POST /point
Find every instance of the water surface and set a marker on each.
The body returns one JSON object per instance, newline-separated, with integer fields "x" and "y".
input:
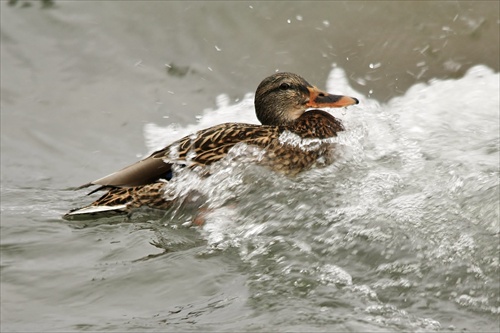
{"x": 400, "y": 234}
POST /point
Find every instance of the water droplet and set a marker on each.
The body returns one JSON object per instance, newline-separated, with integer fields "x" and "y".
{"x": 361, "y": 81}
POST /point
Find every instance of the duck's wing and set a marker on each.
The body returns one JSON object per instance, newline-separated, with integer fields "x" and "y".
{"x": 202, "y": 148}
{"x": 143, "y": 172}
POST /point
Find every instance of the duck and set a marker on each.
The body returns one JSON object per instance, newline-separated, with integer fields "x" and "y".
{"x": 286, "y": 105}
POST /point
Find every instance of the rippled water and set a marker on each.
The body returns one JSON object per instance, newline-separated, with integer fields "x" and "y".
{"x": 401, "y": 233}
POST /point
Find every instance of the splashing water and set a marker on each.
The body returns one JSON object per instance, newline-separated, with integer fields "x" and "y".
{"x": 401, "y": 231}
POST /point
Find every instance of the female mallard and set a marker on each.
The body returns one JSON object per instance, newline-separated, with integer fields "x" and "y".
{"x": 281, "y": 101}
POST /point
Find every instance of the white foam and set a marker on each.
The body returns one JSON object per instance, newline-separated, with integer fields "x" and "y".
{"x": 416, "y": 187}
{"x": 449, "y": 120}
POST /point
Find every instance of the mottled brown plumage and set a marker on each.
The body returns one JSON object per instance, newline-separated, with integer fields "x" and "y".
{"x": 291, "y": 139}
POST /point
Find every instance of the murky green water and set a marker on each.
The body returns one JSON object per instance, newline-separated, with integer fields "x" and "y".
{"x": 400, "y": 234}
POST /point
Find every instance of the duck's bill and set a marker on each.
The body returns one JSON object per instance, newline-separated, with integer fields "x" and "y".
{"x": 321, "y": 99}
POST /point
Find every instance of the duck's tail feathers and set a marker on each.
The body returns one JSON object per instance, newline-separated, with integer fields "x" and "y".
{"x": 96, "y": 210}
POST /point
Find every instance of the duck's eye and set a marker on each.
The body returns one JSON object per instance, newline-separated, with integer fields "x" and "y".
{"x": 284, "y": 86}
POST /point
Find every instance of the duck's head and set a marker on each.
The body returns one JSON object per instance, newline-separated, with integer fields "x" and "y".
{"x": 282, "y": 98}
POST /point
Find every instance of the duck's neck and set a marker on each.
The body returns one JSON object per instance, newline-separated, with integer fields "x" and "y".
{"x": 316, "y": 124}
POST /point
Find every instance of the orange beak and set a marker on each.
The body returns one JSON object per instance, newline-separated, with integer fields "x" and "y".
{"x": 321, "y": 99}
